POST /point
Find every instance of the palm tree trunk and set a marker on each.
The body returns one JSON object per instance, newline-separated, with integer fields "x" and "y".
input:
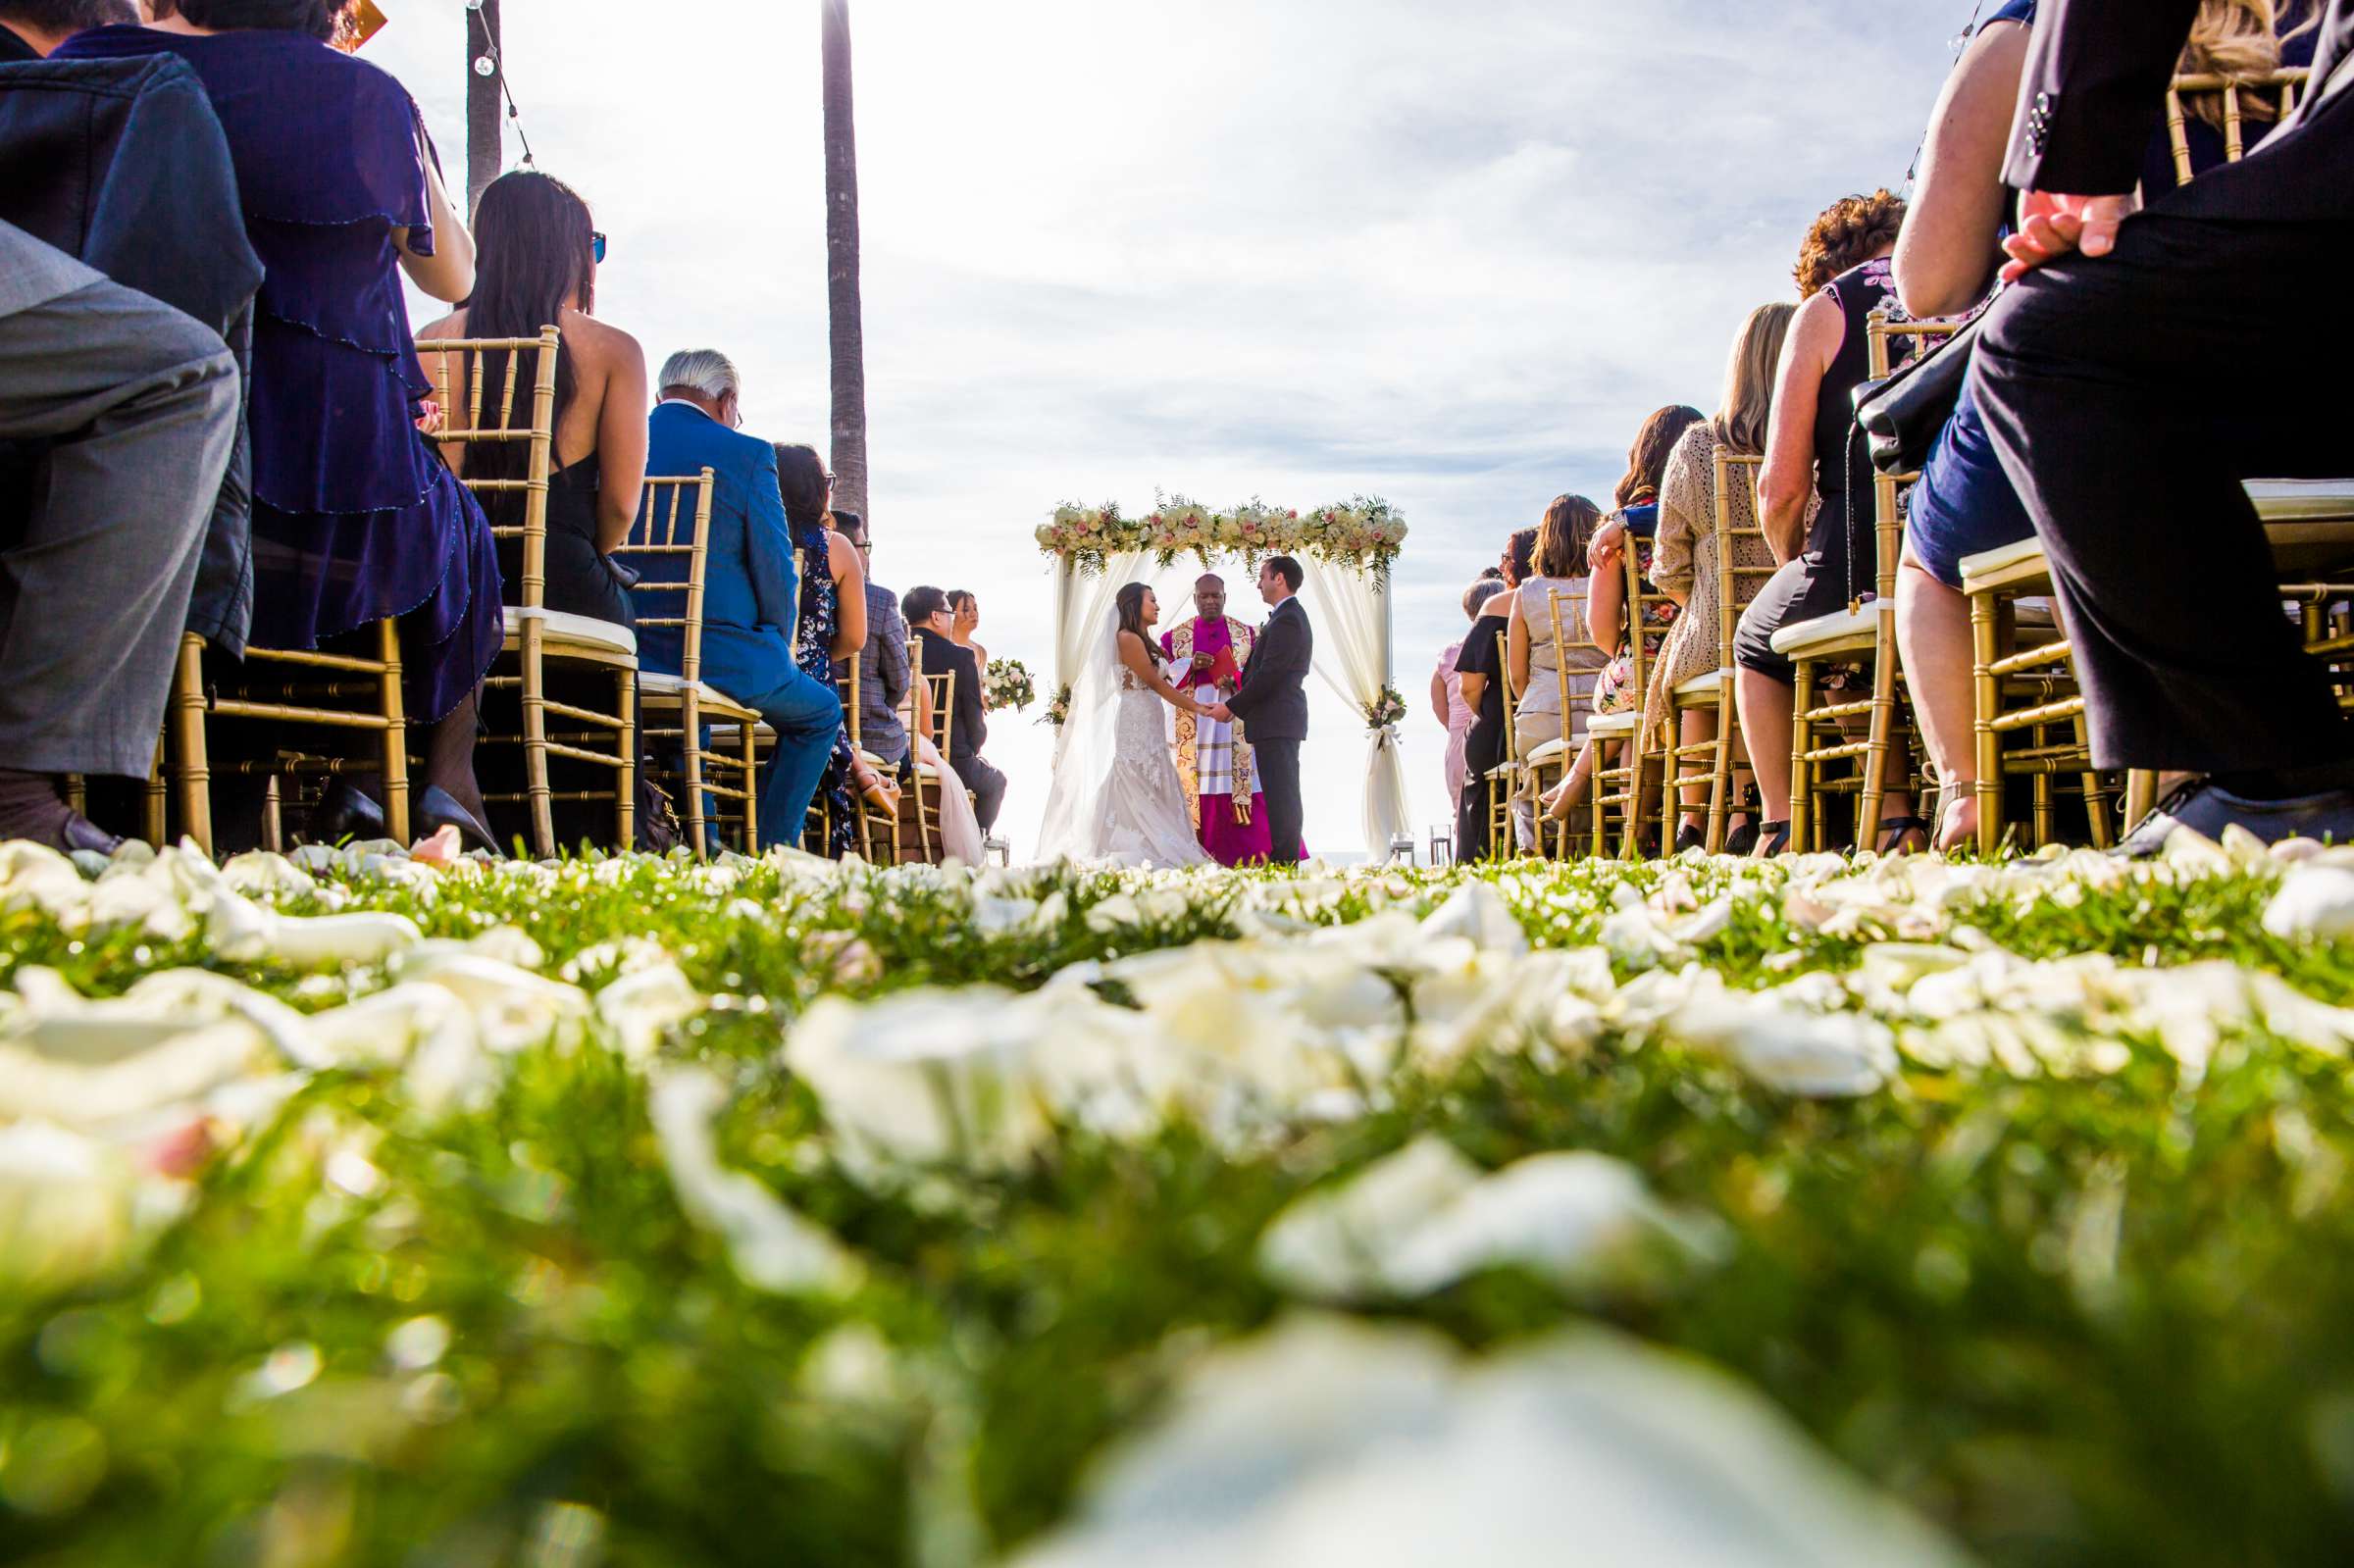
{"x": 485, "y": 118}
{"x": 847, "y": 332}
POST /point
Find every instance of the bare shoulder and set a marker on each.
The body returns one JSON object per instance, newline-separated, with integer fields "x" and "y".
{"x": 452, "y": 325}
{"x": 595, "y": 344}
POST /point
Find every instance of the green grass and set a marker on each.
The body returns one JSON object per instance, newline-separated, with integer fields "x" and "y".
{"x": 2076, "y": 1322}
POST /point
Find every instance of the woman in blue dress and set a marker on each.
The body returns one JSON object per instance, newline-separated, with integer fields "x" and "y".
{"x": 355, "y": 517}
{"x": 1945, "y": 258}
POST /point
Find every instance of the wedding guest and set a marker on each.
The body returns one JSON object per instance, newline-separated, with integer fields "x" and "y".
{"x": 355, "y": 517}
{"x": 135, "y": 408}
{"x": 833, "y": 625}
{"x": 537, "y": 253}
{"x": 2165, "y": 576}
{"x": 1812, "y": 466}
{"x": 751, "y": 592}
{"x": 883, "y": 669}
{"x": 964, "y": 619}
{"x": 1447, "y": 688}
{"x": 1849, "y": 231}
{"x": 1684, "y": 561}
{"x": 934, "y": 623}
{"x": 1963, "y": 503}
{"x": 1637, "y": 504}
{"x": 33, "y": 29}
{"x": 1555, "y": 685}
{"x": 1480, "y": 669}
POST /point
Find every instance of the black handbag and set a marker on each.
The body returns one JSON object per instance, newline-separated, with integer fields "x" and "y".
{"x": 1902, "y": 413}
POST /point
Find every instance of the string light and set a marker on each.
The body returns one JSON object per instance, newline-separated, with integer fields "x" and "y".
{"x": 492, "y": 63}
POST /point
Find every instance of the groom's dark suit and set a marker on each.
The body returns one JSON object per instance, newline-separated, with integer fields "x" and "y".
{"x": 1273, "y": 703}
{"x": 2129, "y": 394}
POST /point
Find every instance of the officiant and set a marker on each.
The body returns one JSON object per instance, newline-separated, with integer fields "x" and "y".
{"x": 1206, "y": 657}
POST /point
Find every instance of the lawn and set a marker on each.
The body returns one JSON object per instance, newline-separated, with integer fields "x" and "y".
{"x": 629, "y": 1211}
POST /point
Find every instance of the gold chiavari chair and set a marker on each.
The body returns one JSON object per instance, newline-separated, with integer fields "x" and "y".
{"x": 686, "y": 703}
{"x": 1711, "y": 693}
{"x": 1619, "y": 786}
{"x": 1504, "y": 780}
{"x": 2228, "y": 100}
{"x": 324, "y": 698}
{"x": 1578, "y": 700}
{"x": 940, "y": 690}
{"x": 1862, "y": 634}
{"x": 536, "y": 636}
{"x": 2310, "y": 526}
{"x": 878, "y": 833}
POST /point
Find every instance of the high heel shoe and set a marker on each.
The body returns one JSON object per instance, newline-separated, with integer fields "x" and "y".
{"x": 1743, "y": 839}
{"x": 437, "y": 808}
{"x": 345, "y": 815}
{"x": 1690, "y": 835}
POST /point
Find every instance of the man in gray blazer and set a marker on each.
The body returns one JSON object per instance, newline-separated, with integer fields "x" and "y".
{"x": 130, "y": 408}
{"x": 1273, "y": 701}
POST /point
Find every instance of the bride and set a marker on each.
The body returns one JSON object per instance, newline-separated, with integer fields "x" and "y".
{"x": 1117, "y": 796}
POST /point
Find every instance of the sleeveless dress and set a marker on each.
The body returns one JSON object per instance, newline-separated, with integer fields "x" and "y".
{"x": 1614, "y": 686}
{"x": 355, "y": 516}
{"x": 578, "y": 583}
{"x": 1838, "y": 563}
{"x": 1146, "y": 821}
{"x": 814, "y": 651}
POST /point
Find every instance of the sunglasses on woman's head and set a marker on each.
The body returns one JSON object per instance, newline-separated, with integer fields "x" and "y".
{"x": 597, "y": 247}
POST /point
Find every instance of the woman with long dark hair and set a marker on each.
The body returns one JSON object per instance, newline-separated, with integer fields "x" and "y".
{"x": 832, "y": 625}
{"x": 1117, "y": 796}
{"x": 355, "y": 519}
{"x": 539, "y": 251}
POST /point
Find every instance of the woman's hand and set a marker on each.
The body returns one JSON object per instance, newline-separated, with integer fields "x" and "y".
{"x": 1604, "y": 547}
{"x": 2052, "y": 226}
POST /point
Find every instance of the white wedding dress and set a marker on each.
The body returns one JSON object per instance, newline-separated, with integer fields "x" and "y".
{"x": 1117, "y": 794}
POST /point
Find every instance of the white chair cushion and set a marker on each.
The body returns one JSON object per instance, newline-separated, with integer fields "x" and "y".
{"x": 1611, "y": 726}
{"x": 1844, "y": 624}
{"x": 1986, "y": 562}
{"x": 582, "y": 628}
{"x": 2302, "y": 501}
{"x": 656, "y": 685}
{"x": 1711, "y": 685}
{"x": 1550, "y": 751}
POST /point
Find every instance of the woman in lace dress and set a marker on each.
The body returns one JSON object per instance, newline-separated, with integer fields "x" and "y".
{"x": 1116, "y": 794}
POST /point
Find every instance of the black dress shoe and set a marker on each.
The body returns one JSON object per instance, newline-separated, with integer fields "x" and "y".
{"x": 343, "y": 815}
{"x": 2207, "y": 808}
{"x": 437, "y": 809}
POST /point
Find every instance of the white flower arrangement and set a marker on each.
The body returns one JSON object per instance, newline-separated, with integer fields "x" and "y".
{"x": 1362, "y": 535}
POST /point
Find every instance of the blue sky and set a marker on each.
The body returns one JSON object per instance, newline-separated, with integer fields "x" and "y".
{"x": 1450, "y": 253}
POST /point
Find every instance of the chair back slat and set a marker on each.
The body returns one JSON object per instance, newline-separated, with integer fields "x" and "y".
{"x": 655, "y": 532}
{"x": 468, "y": 359}
{"x": 2231, "y": 95}
{"x": 1735, "y": 468}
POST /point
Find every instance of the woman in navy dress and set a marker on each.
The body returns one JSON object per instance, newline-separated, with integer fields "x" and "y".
{"x": 355, "y": 517}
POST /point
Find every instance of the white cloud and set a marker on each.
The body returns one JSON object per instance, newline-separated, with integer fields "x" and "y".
{"x": 1450, "y": 253}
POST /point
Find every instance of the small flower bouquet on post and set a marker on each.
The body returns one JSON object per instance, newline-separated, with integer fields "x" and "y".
{"x": 1385, "y": 710}
{"x": 1008, "y": 685}
{"x": 1058, "y": 711}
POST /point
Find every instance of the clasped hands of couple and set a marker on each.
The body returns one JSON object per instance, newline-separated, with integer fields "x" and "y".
{"x": 1218, "y": 711}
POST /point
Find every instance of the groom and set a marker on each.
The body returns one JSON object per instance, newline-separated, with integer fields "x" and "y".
{"x": 1273, "y": 701}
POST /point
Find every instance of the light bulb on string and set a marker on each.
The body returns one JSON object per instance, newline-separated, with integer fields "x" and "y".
{"x": 484, "y": 65}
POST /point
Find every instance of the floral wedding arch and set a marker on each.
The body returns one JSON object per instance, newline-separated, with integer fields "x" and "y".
{"x": 1345, "y": 552}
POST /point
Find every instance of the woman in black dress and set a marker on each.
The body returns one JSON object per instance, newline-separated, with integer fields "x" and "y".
{"x": 539, "y": 250}
{"x": 1816, "y": 493}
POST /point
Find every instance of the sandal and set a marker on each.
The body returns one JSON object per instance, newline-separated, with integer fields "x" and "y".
{"x": 1902, "y": 829}
{"x": 1690, "y": 835}
{"x": 1772, "y": 839}
{"x": 1743, "y": 839}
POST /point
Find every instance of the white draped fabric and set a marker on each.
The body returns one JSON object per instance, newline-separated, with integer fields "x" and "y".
{"x": 1350, "y": 613}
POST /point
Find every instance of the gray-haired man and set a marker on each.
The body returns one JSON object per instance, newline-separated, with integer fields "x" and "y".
{"x": 130, "y": 408}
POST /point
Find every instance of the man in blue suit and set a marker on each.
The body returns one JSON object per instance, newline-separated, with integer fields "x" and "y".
{"x": 751, "y": 593}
